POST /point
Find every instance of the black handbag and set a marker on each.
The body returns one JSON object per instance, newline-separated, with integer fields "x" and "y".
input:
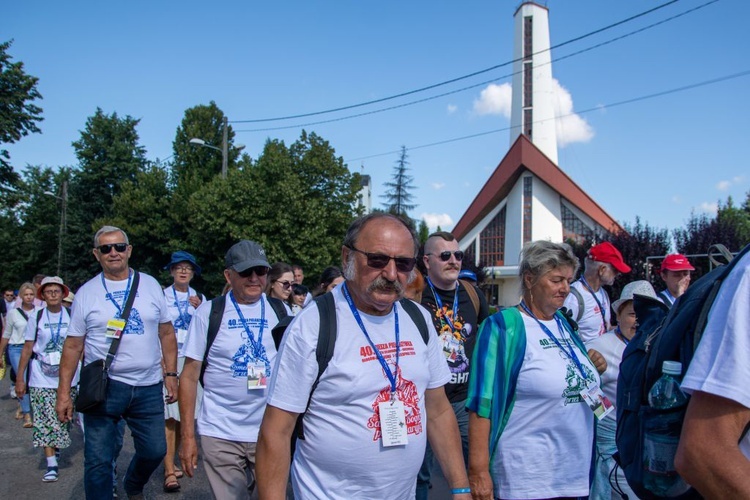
{"x": 94, "y": 379}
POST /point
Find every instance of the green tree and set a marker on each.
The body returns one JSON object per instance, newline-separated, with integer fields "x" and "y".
{"x": 18, "y": 114}
{"x": 423, "y": 231}
{"x": 109, "y": 154}
{"x": 295, "y": 201}
{"x": 399, "y": 195}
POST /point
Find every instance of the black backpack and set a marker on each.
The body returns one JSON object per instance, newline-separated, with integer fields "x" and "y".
{"x": 663, "y": 334}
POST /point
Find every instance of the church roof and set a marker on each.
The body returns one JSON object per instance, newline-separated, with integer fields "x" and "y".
{"x": 522, "y": 156}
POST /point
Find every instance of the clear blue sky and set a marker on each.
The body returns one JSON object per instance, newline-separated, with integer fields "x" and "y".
{"x": 658, "y": 159}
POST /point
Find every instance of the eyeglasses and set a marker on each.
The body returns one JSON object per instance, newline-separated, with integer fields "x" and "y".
{"x": 379, "y": 261}
{"x": 52, "y": 292}
{"x": 446, "y": 256}
{"x": 258, "y": 270}
{"x": 183, "y": 269}
{"x": 285, "y": 284}
{"x": 119, "y": 248}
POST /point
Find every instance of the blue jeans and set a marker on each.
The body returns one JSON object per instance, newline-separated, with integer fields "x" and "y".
{"x": 425, "y": 473}
{"x": 14, "y": 353}
{"x": 142, "y": 408}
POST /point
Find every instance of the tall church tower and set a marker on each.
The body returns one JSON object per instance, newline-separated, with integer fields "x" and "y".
{"x": 532, "y": 111}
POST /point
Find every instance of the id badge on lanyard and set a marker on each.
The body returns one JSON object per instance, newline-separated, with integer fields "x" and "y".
{"x": 597, "y": 401}
{"x": 393, "y": 422}
{"x": 115, "y": 328}
{"x": 256, "y": 375}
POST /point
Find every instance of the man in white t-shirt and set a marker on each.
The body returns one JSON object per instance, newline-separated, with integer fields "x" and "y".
{"x": 588, "y": 302}
{"x": 239, "y": 364}
{"x": 134, "y": 390}
{"x": 714, "y": 451}
{"x": 675, "y": 272}
{"x": 381, "y": 396}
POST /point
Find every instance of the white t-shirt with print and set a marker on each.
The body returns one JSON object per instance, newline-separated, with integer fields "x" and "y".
{"x": 611, "y": 348}
{"x": 720, "y": 365}
{"x": 545, "y": 449}
{"x": 138, "y": 358}
{"x": 180, "y": 311}
{"x": 230, "y": 410}
{"x": 342, "y": 456}
{"x": 590, "y": 326}
{"x": 50, "y": 333}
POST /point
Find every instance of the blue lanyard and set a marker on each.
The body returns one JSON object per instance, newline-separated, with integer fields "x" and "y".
{"x": 570, "y": 352}
{"x": 184, "y": 316}
{"x": 124, "y": 299}
{"x": 621, "y": 336}
{"x": 258, "y": 350}
{"x": 601, "y": 307}
{"x": 391, "y": 375}
{"x": 55, "y": 336}
{"x": 439, "y": 304}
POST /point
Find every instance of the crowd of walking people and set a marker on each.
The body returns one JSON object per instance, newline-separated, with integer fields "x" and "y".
{"x": 349, "y": 388}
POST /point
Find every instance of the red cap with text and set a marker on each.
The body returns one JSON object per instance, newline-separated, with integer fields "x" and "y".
{"x": 606, "y": 252}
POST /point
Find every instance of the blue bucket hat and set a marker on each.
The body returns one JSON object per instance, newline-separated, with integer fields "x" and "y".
{"x": 183, "y": 256}
{"x": 466, "y": 274}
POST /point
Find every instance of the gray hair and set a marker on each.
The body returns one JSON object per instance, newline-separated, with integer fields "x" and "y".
{"x": 352, "y": 234}
{"x": 540, "y": 257}
{"x": 592, "y": 264}
{"x": 107, "y": 230}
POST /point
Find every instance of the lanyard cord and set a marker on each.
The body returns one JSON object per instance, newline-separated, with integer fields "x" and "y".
{"x": 184, "y": 316}
{"x": 258, "y": 350}
{"x": 596, "y": 299}
{"x": 444, "y": 317}
{"x": 392, "y": 375}
{"x": 112, "y": 299}
{"x": 55, "y": 336}
{"x": 571, "y": 353}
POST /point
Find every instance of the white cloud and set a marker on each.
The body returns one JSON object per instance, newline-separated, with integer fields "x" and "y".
{"x": 438, "y": 185}
{"x": 723, "y": 185}
{"x": 570, "y": 126}
{"x": 494, "y": 100}
{"x": 435, "y": 220}
{"x": 709, "y": 208}
{"x": 452, "y": 108}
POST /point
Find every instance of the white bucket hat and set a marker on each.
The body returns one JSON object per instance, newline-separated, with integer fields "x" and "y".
{"x": 640, "y": 287}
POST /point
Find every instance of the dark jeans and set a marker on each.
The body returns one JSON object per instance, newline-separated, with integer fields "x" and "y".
{"x": 424, "y": 475}
{"x": 142, "y": 408}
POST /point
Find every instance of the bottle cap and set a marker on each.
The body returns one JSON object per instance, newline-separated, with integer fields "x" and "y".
{"x": 672, "y": 368}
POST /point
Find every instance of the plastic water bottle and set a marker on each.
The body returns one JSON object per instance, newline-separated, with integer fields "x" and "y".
{"x": 662, "y": 427}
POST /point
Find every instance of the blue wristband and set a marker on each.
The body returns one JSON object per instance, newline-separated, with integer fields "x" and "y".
{"x": 459, "y": 491}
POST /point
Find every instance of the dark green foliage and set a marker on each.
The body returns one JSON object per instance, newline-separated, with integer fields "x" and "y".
{"x": 399, "y": 197}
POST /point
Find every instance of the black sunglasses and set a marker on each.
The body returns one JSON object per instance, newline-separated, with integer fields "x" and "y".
{"x": 258, "y": 270}
{"x": 379, "y": 261}
{"x": 446, "y": 256}
{"x": 119, "y": 248}
{"x": 285, "y": 284}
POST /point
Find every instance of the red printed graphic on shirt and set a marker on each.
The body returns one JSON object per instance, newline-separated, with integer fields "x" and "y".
{"x": 387, "y": 350}
{"x": 406, "y": 392}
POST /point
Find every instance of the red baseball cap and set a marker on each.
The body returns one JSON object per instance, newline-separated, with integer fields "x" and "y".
{"x": 676, "y": 262}
{"x": 606, "y": 252}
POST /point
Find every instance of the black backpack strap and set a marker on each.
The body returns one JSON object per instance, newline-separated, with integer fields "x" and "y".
{"x": 22, "y": 313}
{"x": 284, "y": 319}
{"x": 278, "y": 307}
{"x": 214, "y": 322}
{"x": 415, "y": 313}
{"x": 327, "y": 334}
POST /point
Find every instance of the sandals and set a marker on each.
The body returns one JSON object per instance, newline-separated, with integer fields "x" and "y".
{"x": 171, "y": 484}
{"x": 19, "y": 414}
{"x": 27, "y": 423}
{"x": 178, "y": 473}
{"x": 51, "y": 475}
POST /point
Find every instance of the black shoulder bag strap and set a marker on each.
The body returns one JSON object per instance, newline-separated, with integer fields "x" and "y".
{"x": 125, "y": 314}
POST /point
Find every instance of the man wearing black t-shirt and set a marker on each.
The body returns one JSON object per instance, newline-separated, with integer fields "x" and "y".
{"x": 457, "y": 309}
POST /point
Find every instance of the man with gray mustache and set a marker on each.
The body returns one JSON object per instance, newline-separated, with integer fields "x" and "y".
{"x": 381, "y": 396}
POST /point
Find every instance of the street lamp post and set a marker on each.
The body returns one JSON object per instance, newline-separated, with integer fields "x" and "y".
{"x": 63, "y": 223}
{"x": 224, "y": 149}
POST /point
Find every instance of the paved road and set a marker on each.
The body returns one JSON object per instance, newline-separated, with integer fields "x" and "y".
{"x": 23, "y": 466}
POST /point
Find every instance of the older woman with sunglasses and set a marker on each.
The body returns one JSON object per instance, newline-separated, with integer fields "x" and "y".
{"x": 182, "y": 300}
{"x": 280, "y": 281}
{"x": 45, "y": 334}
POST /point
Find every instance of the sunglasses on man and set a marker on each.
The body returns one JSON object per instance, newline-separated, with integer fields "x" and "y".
{"x": 258, "y": 270}
{"x": 379, "y": 261}
{"x": 446, "y": 256}
{"x": 119, "y": 248}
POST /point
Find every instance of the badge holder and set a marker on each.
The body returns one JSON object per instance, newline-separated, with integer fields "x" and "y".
{"x": 393, "y": 422}
{"x": 597, "y": 401}
{"x": 256, "y": 375}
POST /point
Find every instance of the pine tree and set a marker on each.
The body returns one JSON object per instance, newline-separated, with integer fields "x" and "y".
{"x": 398, "y": 196}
